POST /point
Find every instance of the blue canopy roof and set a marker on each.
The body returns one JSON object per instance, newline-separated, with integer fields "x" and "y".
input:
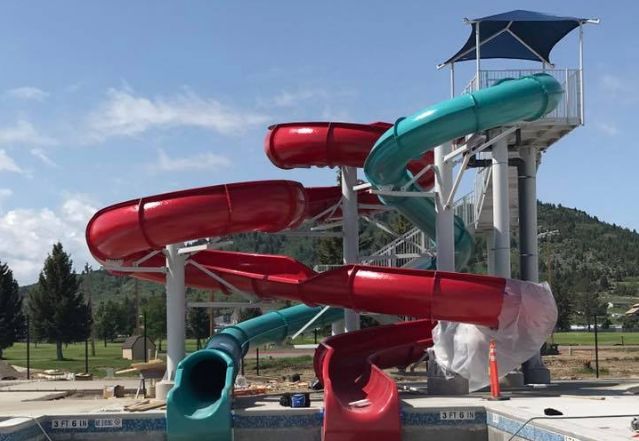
{"x": 522, "y": 35}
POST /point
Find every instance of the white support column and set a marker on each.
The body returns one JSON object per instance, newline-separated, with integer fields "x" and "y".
{"x": 501, "y": 209}
{"x": 477, "y": 57}
{"x": 581, "y": 73}
{"x": 175, "y": 309}
{"x": 529, "y": 254}
{"x": 440, "y": 382}
{"x": 350, "y": 239}
{"x": 490, "y": 252}
{"x": 445, "y": 217}
{"x": 533, "y": 370}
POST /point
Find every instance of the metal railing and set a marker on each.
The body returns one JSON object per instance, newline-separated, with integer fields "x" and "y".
{"x": 569, "y": 108}
{"x": 411, "y": 245}
{"x": 464, "y": 207}
{"x": 414, "y": 244}
{"x": 482, "y": 186}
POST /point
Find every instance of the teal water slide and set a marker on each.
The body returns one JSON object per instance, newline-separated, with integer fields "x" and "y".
{"x": 199, "y": 406}
{"x": 509, "y": 101}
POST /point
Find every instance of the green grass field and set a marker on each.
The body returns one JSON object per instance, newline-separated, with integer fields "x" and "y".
{"x": 588, "y": 338}
{"x": 43, "y": 356}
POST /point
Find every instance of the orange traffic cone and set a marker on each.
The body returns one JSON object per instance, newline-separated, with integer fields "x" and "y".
{"x": 495, "y": 388}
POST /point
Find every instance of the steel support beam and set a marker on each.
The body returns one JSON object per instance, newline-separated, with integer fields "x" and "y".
{"x": 534, "y": 370}
{"x": 445, "y": 217}
{"x": 350, "y": 238}
{"x": 175, "y": 316}
{"x": 501, "y": 209}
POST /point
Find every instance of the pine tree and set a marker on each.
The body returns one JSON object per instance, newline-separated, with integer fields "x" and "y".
{"x": 155, "y": 310}
{"x": 11, "y": 317}
{"x": 198, "y": 322}
{"x": 58, "y": 309}
{"x": 106, "y": 318}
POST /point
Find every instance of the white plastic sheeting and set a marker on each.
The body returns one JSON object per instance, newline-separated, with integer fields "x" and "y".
{"x": 527, "y": 318}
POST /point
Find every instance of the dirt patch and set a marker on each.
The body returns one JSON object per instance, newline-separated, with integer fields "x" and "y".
{"x": 7, "y": 372}
{"x": 575, "y": 364}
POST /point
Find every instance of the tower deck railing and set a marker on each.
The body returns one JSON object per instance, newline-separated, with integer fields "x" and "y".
{"x": 570, "y": 109}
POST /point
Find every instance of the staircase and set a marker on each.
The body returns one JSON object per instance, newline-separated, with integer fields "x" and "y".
{"x": 414, "y": 247}
{"x": 483, "y": 220}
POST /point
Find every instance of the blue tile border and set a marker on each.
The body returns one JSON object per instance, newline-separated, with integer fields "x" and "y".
{"x": 131, "y": 423}
{"x": 313, "y": 420}
{"x": 531, "y": 432}
{"x": 416, "y": 417}
{"x": 30, "y": 432}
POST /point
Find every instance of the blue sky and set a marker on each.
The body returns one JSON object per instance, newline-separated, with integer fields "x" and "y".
{"x": 107, "y": 101}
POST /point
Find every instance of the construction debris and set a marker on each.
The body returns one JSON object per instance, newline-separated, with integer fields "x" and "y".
{"x": 115, "y": 391}
{"x": 145, "y": 405}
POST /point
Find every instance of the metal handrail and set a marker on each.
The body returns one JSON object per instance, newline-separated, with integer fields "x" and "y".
{"x": 570, "y": 108}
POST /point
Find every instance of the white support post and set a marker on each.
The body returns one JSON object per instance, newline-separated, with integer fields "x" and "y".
{"x": 350, "y": 237}
{"x": 529, "y": 254}
{"x": 490, "y": 252}
{"x": 581, "y": 72}
{"x": 452, "y": 80}
{"x": 477, "y": 56}
{"x": 501, "y": 209}
{"x": 534, "y": 371}
{"x": 440, "y": 382}
{"x": 175, "y": 309}
{"x": 445, "y": 217}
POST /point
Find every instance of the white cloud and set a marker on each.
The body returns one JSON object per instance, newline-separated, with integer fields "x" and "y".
{"x": 609, "y": 129}
{"x": 612, "y": 84}
{"x": 125, "y": 114}
{"x": 42, "y": 156}
{"x": 203, "y": 161}
{"x": 8, "y": 164}
{"x": 27, "y": 93}
{"x": 292, "y": 99}
{"x": 23, "y": 132}
{"x": 5, "y": 193}
{"x": 28, "y": 235}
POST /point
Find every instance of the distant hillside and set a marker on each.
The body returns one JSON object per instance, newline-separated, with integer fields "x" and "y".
{"x": 579, "y": 254}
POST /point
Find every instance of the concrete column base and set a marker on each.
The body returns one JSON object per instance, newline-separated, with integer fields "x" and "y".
{"x": 537, "y": 376}
{"x": 441, "y": 384}
{"x": 513, "y": 379}
{"x": 455, "y": 385}
{"x": 535, "y": 372}
{"x": 162, "y": 389}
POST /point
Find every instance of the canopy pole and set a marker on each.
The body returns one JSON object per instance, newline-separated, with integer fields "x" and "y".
{"x": 581, "y": 71}
{"x": 477, "y": 55}
{"x": 452, "y": 80}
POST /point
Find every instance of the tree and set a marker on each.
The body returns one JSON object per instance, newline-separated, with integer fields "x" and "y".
{"x": 630, "y": 322}
{"x": 86, "y": 288}
{"x": 106, "y": 319}
{"x": 248, "y": 313}
{"x": 564, "y": 307}
{"x": 58, "y": 310}
{"x": 155, "y": 310}
{"x": 11, "y": 317}
{"x": 127, "y": 319}
{"x": 329, "y": 251}
{"x": 198, "y": 322}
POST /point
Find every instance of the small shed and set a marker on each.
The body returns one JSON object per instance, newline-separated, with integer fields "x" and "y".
{"x": 133, "y": 347}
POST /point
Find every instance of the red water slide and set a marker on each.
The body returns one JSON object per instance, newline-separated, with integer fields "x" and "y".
{"x": 133, "y": 230}
{"x": 361, "y": 401}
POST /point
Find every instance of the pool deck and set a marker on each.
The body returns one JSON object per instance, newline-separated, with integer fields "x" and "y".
{"x": 574, "y": 398}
